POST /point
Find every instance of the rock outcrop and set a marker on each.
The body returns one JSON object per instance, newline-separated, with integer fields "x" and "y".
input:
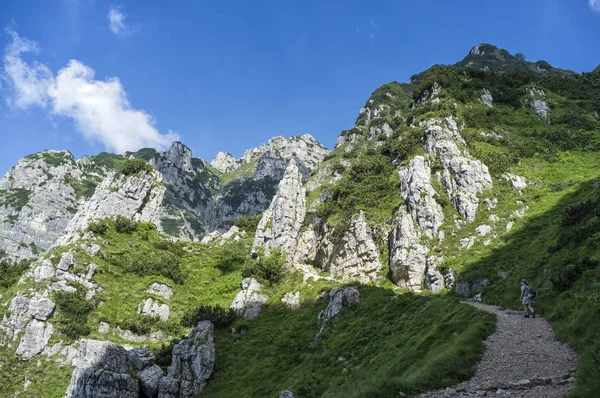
{"x": 151, "y": 307}
{"x": 417, "y": 191}
{"x": 463, "y": 177}
{"x": 486, "y": 98}
{"x": 37, "y": 201}
{"x": 538, "y": 103}
{"x": 353, "y": 256}
{"x": 225, "y": 162}
{"x": 248, "y": 302}
{"x": 281, "y": 223}
{"x": 192, "y": 364}
{"x": 103, "y": 369}
{"x": 137, "y": 196}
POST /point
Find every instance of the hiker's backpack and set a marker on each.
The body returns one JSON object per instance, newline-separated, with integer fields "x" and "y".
{"x": 532, "y": 292}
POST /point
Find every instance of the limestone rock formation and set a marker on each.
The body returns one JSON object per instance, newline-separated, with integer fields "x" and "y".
{"x": 103, "y": 369}
{"x": 281, "y": 223}
{"x": 486, "y": 98}
{"x": 248, "y": 302}
{"x": 417, "y": 191}
{"x": 130, "y": 196}
{"x": 192, "y": 364}
{"x": 152, "y": 307}
{"x": 37, "y": 201}
{"x": 224, "y": 162}
{"x": 354, "y": 256}
{"x": 463, "y": 177}
{"x": 408, "y": 257}
{"x": 538, "y": 103}
{"x": 337, "y": 296}
{"x": 292, "y": 300}
{"x": 36, "y": 337}
{"x": 160, "y": 289}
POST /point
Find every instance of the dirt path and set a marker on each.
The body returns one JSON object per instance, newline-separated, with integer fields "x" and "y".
{"x": 522, "y": 359}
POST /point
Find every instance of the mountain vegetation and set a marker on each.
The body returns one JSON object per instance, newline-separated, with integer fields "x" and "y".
{"x": 352, "y": 263}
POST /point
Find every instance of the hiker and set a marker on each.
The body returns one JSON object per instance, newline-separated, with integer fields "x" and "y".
{"x": 526, "y": 298}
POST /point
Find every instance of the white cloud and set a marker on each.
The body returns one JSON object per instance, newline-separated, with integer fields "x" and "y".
{"x": 100, "y": 109}
{"x": 116, "y": 20}
{"x": 30, "y": 82}
{"x": 595, "y": 5}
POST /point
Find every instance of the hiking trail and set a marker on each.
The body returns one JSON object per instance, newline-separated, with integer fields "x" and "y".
{"x": 522, "y": 359}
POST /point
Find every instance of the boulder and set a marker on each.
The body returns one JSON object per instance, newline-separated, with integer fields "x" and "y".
{"x": 66, "y": 261}
{"x": 150, "y": 380}
{"x": 36, "y": 337}
{"x": 160, "y": 289}
{"x": 292, "y": 300}
{"x": 104, "y": 370}
{"x": 152, "y": 307}
{"x": 337, "y": 296}
{"x": 192, "y": 364}
{"x": 248, "y": 302}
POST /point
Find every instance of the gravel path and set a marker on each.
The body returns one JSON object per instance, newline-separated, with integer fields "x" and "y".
{"x": 522, "y": 359}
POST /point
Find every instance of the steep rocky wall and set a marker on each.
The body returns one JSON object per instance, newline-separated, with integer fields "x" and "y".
{"x": 37, "y": 201}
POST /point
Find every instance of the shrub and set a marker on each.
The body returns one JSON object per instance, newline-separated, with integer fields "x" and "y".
{"x": 218, "y": 315}
{"x": 99, "y": 227}
{"x": 164, "y": 264}
{"x": 563, "y": 277}
{"x": 124, "y": 225}
{"x": 140, "y": 324}
{"x": 248, "y": 224}
{"x": 73, "y": 311}
{"x": 170, "y": 246}
{"x": 135, "y": 167}
{"x": 266, "y": 268}
{"x": 11, "y": 271}
{"x": 232, "y": 256}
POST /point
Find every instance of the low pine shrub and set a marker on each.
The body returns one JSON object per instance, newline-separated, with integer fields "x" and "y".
{"x": 219, "y": 316}
{"x": 73, "y": 311}
{"x": 232, "y": 256}
{"x": 135, "y": 167}
{"x": 124, "y": 225}
{"x": 269, "y": 269}
{"x": 99, "y": 227}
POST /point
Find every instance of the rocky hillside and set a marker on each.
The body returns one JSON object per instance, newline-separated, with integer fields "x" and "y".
{"x": 294, "y": 269}
{"x": 49, "y": 193}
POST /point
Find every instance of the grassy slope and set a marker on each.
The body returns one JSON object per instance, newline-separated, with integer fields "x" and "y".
{"x": 384, "y": 344}
{"x": 383, "y": 332}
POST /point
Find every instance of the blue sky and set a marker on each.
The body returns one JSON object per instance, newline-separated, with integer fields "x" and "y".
{"x": 92, "y": 75}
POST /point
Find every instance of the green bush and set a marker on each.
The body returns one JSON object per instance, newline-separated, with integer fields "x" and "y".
{"x": 147, "y": 263}
{"x": 135, "y": 167}
{"x": 124, "y": 225}
{"x": 11, "y": 271}
{"x": 164, "y": 264}
{"x": 73, "y": 311}
{"x": 564, "y": 276}
{"x": 233, "y": 255}
{"x": 140, "y": 324}
{"x": 269, "y": 269}
{"x": 99, "y": 227}
{"x": 219, "y": 316}
{"x": 170, "y": 246}
{"x": 248, "y": 224}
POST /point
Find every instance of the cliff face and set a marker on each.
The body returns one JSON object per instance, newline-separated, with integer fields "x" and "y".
{"x": 49, "y": 196}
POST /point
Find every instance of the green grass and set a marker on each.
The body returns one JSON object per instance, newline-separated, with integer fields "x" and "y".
{"x": 567, "y": 295}
{"x": 384, "y": 344}
{"x": 244, "y": 171}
